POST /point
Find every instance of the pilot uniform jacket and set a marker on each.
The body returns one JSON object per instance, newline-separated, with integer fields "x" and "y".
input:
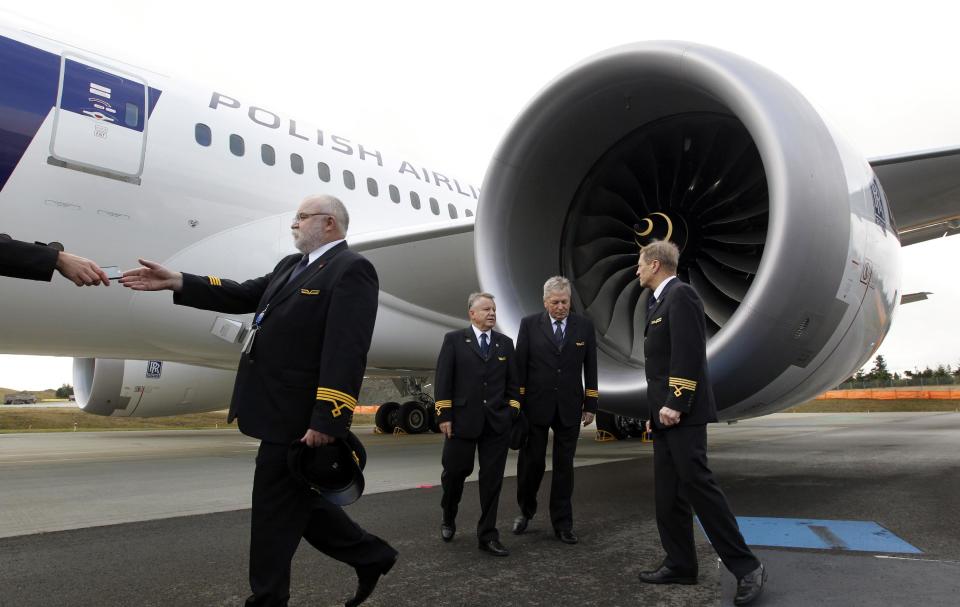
{"x": 303, "y": 371}
{"x": 307, "y": 361}
{"x": 27, "y": 260}
{"x": 676, "y": 365}
{"x": 469, "y": 390}
{"x": 675, "y": 357}
{"x": 552, "y": 378}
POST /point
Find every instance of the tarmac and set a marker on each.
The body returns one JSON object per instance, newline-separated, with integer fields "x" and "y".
{"x": 161, "y": 518}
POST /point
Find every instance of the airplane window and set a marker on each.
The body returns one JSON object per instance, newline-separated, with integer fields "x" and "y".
{"x": 323, "y": 170}
{"x": 468, "y": 213}
{"x": 348, "y": 180}
{"x": 453, "y": 211}
{"x": 268, "y": 155}
{"x": 395, "y": 194}
{"x": 236, "y": 145}
{"x": 434, "y": 206}
{"x": 201, "y": 133}
{"x": 372, "y": 186}
{"x": 132, "y": 116}
{"x": 296, "y": 163}
{"x": 415, "y": 200}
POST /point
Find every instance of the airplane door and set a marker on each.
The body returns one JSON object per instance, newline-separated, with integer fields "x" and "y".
{"x": 100, "y": 124}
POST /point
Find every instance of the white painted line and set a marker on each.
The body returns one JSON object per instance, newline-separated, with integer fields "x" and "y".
{"x": 907, "y": 558}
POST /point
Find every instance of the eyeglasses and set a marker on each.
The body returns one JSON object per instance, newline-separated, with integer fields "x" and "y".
{"x": 297, "y": 218}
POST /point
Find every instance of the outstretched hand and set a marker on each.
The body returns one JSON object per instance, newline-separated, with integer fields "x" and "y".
{"x": 151, "y": 276}
{"x": 80, "y": 271}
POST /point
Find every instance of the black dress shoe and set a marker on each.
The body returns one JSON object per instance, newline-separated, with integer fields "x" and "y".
{"x": 447, "y": 530}
{"x": 367, "y": 578}
{"x": 666, "y": 575}
{"x": 750, "y": 586}
{"x": 566, "y": 536}
{"x": 494, "y": 547}
{"x": 520, "y": 524}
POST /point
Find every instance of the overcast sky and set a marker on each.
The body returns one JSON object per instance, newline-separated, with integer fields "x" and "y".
{"x": 440, "y": 82}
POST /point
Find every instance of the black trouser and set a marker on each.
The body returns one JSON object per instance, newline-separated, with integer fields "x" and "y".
{"x": 458, "y": 465}
{"x": 682, "y": 480}
{"x": 283, "y": 512}
{"x": 532, "y": 463}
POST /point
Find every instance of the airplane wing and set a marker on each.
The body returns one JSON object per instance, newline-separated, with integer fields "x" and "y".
{"x": 430, "y": 267}
{"x": 923, "y": 190}
{"x": 388, "y": 238}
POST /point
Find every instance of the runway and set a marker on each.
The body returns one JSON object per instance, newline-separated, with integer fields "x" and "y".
{"x": 159, "y": 518}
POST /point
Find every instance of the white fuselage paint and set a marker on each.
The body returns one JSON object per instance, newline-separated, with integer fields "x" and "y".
{"x": 205, "y": 210}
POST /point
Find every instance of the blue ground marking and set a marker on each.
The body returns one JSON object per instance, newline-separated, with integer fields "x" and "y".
{"x": 860, "y": 536}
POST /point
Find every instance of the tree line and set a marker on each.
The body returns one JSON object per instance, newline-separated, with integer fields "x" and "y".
{"x": 881, "y": 373}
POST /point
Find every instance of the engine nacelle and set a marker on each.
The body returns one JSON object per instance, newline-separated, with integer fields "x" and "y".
{"x": 141, "y": 388}
{"x": 784, "y": 232}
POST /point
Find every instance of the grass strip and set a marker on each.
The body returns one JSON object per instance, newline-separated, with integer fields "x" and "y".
{"x": 71, "y": 419}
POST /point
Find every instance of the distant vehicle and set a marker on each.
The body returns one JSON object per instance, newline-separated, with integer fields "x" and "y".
{"x": 21, "y": 398}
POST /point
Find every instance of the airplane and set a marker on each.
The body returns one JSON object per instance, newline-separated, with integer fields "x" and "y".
{"x": 790, "y": 237}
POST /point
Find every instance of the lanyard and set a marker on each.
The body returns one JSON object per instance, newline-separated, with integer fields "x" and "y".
{"x": 259, "y": 318}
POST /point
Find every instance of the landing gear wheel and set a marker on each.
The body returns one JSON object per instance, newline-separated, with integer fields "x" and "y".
{"x": 635, "y": 428}
{"x": 610, "y": 426}
{"x": 413, "y": 417}
{"x": 386, "y": 417}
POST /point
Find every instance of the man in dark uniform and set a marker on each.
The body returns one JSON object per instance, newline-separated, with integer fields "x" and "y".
{"x": 37, "y": 262}
{"x": 556, "y": 356}
{"x": 681, "y": 403}
{"x": 298, "y": 379}
{"x": 476, "y": 399}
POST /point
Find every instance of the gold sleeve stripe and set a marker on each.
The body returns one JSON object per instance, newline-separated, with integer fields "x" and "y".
{"x": 214, "y": 280}
{"x": 680, "y": 384}
{"x": 329, "y": 393}
{"x": 338, "y": 400}
{"x": 514, "y": 404}
{"x": 591, "y": 393}
{"x": 440, "y": 405}
{"x": 522, "y": 390}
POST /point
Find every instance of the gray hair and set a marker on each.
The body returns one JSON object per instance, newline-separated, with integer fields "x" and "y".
{"x": 474, "y": 297}
{"x": 335, "y": 208}
{"x": 663, "y": 251}
{"x": 556, "y": 284}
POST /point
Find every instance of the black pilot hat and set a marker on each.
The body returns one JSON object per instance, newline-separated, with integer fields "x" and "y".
{"x": 334, "y": 471}
{"x": 519, "y": 432}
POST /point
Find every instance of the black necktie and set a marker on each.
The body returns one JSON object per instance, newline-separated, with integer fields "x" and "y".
{"x": 558, "y": 334}
{"x": 484, "y": 346}
{"x": 300, "y": 268}
{"x": 651, "y": 303}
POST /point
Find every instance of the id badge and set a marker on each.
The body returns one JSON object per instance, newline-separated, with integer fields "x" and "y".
{"x": 248, "y": 340}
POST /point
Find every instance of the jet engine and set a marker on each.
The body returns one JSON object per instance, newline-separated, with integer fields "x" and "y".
{"x": 784, "y": 231}
{"x": 149, "y": 388}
